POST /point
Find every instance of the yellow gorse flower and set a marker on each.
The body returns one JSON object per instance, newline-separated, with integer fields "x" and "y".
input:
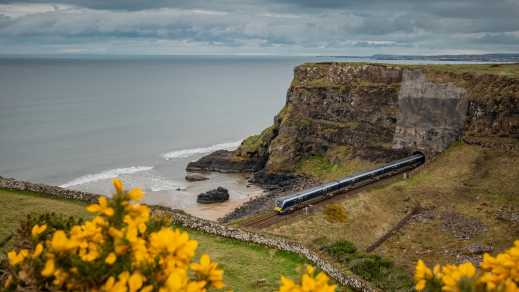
{"x": 38, "y": 229}
{"x": 309, "y": 282}
{"x": 121, "y": 250}
{"x": 118, "y": 185}
{"x": 502, "y": 271}
{"x": 16, "y": 258}
{"x": 209, "y": 271}
{"x": 498, "y": 274}
{"x": 136, "y": 194}
{"x": 453, "y": 275}
{"x": 118, "y": 236}
{"x": 422, "y": 275}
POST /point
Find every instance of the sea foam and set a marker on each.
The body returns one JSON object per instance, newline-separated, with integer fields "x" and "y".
{"x": 190, "y": 152}
{"x": 107, "y": 174}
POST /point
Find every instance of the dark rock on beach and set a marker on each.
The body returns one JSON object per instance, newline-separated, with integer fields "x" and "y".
{"x": 195, "y": 177}
{"x": 213, "y": 196}
{"x": 223, "y": 161}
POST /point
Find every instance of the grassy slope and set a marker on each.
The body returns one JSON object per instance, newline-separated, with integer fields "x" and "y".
{"x": 468, "y": 180}
{"x": 244, "y": 263}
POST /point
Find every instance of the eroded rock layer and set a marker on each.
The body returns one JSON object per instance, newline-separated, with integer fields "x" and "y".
{"x": 379, "y": 112}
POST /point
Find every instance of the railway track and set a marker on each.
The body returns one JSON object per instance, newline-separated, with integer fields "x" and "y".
{"x": 269, "y": 218}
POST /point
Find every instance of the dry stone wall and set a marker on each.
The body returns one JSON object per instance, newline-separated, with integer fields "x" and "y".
{"x": 52, "y": 191}
{"x": 205, "y": 226}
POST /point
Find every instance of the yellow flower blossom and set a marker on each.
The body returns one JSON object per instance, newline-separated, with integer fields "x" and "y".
{"x": 209, "y": 271}
{"x": 152, "y": 261}
{"x": 309, "y": 283}
{"x": 422, "y": 274}
{"x": 109, "y": 284}
{"x": 118, "y": 185}
{"x": 452, "y": 275}
{"x": 135, "y": 281}
{"x": 17, "y": 258}
{"x": 37, "y": 250}
{"x": 288, "y": 285}
{"x": 115, "y": 233}
{"x": 111, "y": 258}
{"x": 502, "y": 271}
{"x": 173, "y": 242}
{"x": 60, "y": 277}
{"x": 49, "y": 268}
{"x": 101, "y": 207}
{"x": 38, "y": 229}
{"x": 61, "y": 243}
{"x": 178, "y": 280}
{"x": 136, "y": 194}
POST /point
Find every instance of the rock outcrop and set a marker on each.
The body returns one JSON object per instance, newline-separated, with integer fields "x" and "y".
{"x": 193, "y": 177}
{"x": 217, "y": 195}
{"x": 377, "y": 113}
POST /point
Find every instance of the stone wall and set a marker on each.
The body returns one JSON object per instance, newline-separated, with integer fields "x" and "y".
{"x": 204, "y": 226}
{"x": 52, "y": 191}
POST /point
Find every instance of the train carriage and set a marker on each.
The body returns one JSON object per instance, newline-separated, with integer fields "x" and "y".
{"x": 288, "y": 203}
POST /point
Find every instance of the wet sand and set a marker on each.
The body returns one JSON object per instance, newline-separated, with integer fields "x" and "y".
{"x": 240, "y": 191}
{"x": 184, "y": 197}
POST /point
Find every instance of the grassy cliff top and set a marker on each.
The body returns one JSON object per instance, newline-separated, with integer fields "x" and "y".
{"x": 505, "y": 69}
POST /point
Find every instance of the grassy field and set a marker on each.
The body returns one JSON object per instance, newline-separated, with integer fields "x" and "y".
{"x": 248, "y": 267}
{"x": 464, "y": 189}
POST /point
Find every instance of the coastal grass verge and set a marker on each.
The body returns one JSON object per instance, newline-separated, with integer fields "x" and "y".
{"x": 469, "y": 194}
{"x": 248, "y": 267}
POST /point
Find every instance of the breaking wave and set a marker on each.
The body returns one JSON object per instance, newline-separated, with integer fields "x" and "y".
{"x": 190, "y": 152}
{"x": 107, "y": 174}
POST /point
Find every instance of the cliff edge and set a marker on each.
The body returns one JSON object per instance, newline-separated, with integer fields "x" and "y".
{"x": 342, "y": 117}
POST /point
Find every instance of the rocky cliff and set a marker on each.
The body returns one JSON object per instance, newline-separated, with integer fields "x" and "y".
{"x": 351, "y": 114}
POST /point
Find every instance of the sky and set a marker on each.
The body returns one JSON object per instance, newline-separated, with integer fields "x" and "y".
{"x": 265, "y": 27}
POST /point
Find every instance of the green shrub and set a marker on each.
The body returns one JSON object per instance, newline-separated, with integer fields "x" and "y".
{"x": 370, "y": 267}
{"x": 341, "y": 248}
{"x": 379, "y": 271}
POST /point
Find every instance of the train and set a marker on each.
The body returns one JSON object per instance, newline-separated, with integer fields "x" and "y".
{"x": 291, "y": 202}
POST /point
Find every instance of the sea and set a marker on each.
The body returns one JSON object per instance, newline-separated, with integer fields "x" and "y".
{"x": 80, "y": 121}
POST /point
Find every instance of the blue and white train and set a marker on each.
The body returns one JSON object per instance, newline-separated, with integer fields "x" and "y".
{"x": 289, "y": 203}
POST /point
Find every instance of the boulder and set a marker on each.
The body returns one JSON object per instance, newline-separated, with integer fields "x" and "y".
{"x": 195, "y": 177}
{"x": 213, "y": 196}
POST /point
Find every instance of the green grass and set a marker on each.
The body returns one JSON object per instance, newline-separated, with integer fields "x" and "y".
{"x": 324, "y": 169}
{"x": 469, "y": 180}
{"x": 16, "y": 205}
{"x": 511, "y": 70}
{"x": 248, "y": 267}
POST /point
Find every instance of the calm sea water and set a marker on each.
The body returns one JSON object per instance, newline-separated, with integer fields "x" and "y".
{"x": 80, "y": 122}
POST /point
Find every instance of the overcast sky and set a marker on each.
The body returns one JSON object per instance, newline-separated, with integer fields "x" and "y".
{"x": 299, "y": 27}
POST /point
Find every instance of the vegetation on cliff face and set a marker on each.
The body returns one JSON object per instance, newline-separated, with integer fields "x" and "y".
{"x": 256, "y": 145}
{"x": 337, "y": 162}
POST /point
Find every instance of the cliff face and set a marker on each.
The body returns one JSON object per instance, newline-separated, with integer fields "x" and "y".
{"x": 376, "y": 113}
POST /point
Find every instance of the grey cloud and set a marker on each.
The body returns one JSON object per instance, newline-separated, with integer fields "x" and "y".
{"x": 305, "y": 25}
